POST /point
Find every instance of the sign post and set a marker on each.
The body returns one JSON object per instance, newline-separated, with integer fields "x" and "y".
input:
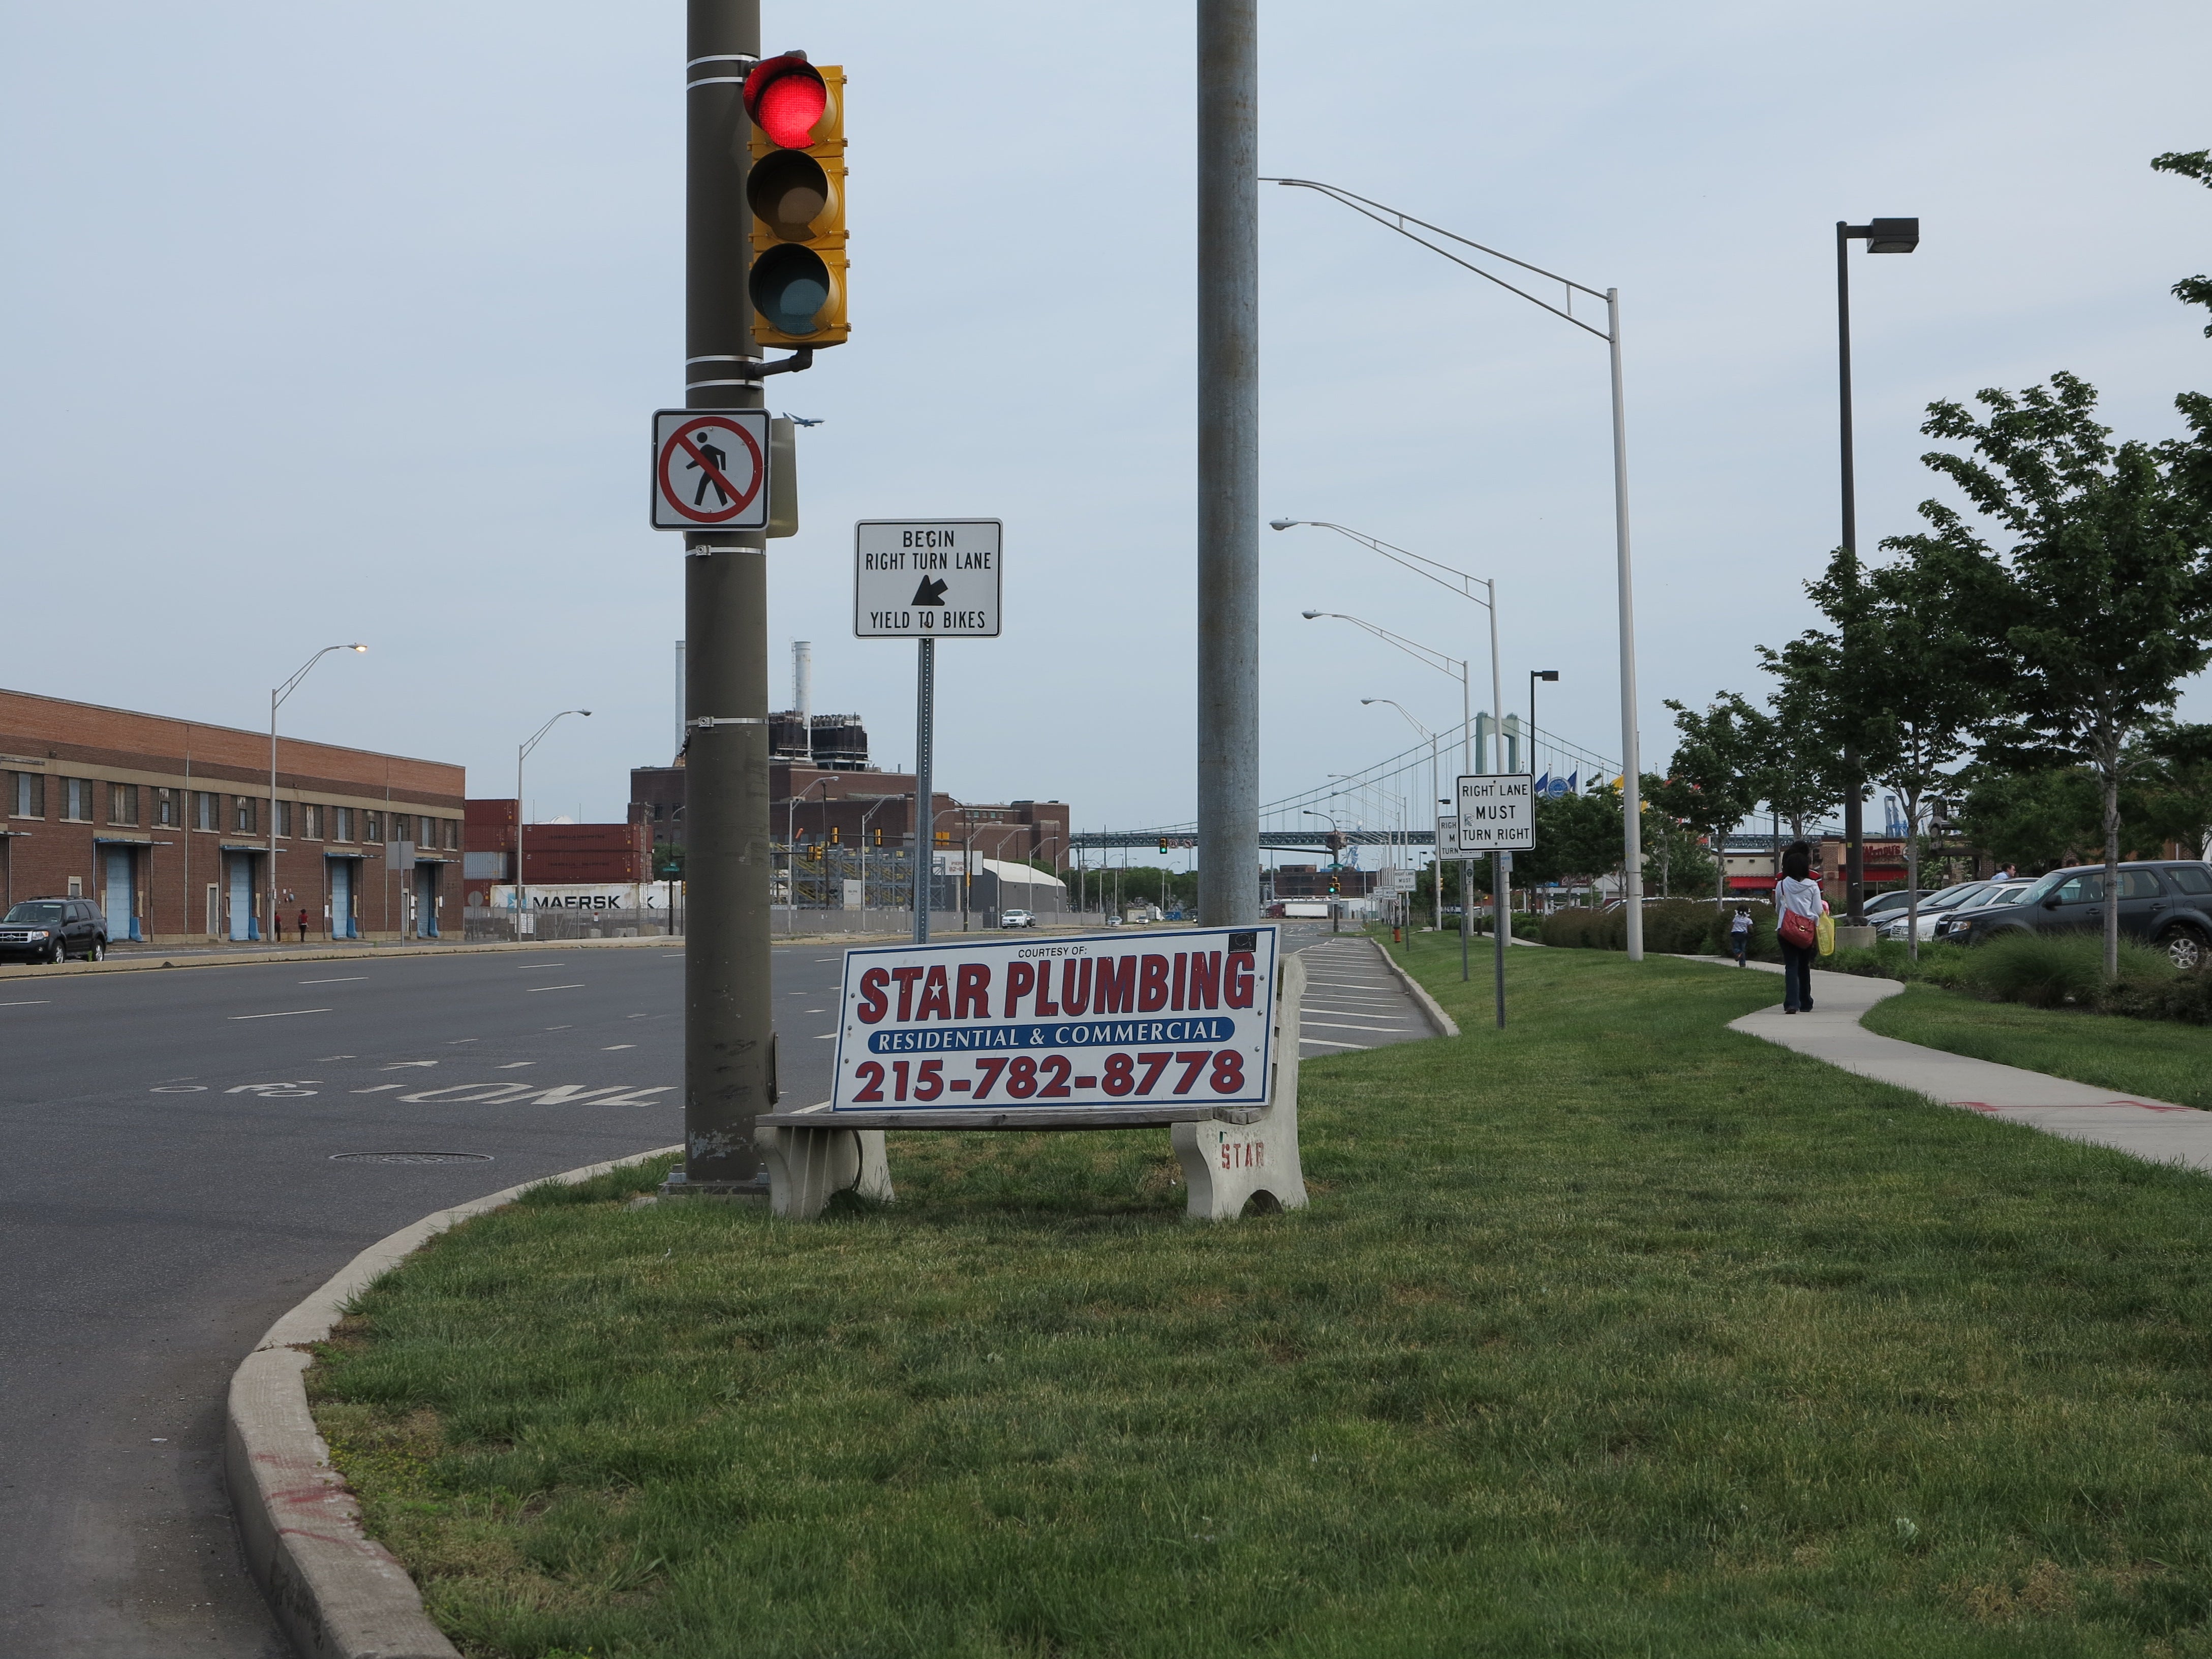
{"x": 1497, "y": 816}
{"x": 921, "y": 579}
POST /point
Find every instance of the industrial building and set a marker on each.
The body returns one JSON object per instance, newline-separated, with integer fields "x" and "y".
{"x": 164, "y": 824}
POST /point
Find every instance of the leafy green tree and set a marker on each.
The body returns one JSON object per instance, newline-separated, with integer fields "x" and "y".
{"x": 2036, "y": 818}
{"x": 1577, "y": 838}
{"x": 1808, "y": 730}
{"x": 1713, "y": 780}
{"x": 2101, "y": 603}
{"x": 2190, "y": 164}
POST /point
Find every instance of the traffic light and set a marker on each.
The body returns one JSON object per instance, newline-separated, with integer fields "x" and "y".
{"x": 836, "y": 836}
{"x": 1164, "y": 843}
{"x": 796, "y": 190}
{"x": 1335, "y": 887}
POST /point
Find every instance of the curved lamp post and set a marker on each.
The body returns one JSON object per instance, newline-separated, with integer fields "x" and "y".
{"x": 1436, "y": 783}
{"x": 522, "y": 754}
{"x": 277, "y": 695}
{"x": 1631, "y": 783}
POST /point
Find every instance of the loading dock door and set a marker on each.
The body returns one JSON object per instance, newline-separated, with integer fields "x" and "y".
{"x": 241, "y": 895}
{"x": 341, "y": 897}
{"x": 117, "y": 896}
{"x": 426, "y": 901}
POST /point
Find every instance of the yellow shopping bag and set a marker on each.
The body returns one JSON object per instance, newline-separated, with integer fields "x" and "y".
{"x": 1825, "y": 933}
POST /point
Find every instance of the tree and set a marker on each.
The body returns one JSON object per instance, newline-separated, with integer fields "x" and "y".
{"x": 1803, "y": 777}
{"x": 1577, "y": 836}
{"x": 2036, "y": 819}
{"x": 2101, "y": 604}
{"x": 1713, "y": 780}
{"x": 2198, "y": 165}
{"x": 1930, "y": 682}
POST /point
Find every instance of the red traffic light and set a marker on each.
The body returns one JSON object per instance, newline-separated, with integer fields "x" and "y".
{"x": 785, "y": 96}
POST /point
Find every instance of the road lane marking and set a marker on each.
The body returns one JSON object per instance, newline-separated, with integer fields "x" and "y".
{"x": 611, "y": 1046}
{"x": 36, "y": 1002}
{"x": 1323, "y": 1043}
{"x": 560, "y": 1028}
{"x": 282, "y": 1013}
{"x": 512, "y": 1064}
{"x": 823, "y": 1036}
{"x": 350, "y": 979}
{"x": 402, "y": 1065}
{"x": 535, "y": 989}
{"x": 379, "y": 1088}
{"x": 455, "y": 1042}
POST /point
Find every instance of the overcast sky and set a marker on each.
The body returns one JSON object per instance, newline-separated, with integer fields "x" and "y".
{"x": 327, "y": 323}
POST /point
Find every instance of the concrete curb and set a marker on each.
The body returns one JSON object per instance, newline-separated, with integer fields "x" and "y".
{"x": 153, "y": 961}
{"x": 337, "y": 1592}
{"x": 1442, "y": 1023}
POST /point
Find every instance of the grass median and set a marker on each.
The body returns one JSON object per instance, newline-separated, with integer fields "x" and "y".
{"x": 2156, "y": 1058}
{"x": 1616, "y": 1333}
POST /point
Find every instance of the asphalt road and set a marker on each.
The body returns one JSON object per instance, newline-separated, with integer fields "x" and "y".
{"x": 188, "y": 1153}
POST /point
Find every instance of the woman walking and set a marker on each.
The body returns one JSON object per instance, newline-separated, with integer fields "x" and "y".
{"x": 1797, "y": 907}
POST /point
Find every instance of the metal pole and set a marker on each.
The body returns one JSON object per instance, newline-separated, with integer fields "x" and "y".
{"x": 1228, "y": 463}
{"x": 1437, "y": 860}
{"x": 521, "y": 898}
{"x": 273, "y": 698}
{"x": 1466, "y": 764}
{"x": 1854, "y": 823}
{"x": 925, "y": 793}
{"x": 1631, "y": 763}
{"x": 729, "y": 1034}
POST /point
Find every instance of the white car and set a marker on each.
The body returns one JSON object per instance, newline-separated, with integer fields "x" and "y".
{"x": 1016, "y": 918}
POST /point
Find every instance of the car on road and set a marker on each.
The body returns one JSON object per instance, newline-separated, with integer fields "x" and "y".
{"x": 50, "y": 929}
{"x": 1016, "y": 918}
{"x": 2166, "y": 904}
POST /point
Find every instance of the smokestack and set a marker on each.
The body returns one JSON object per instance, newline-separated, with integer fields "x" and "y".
{"x": 802, "y": 691}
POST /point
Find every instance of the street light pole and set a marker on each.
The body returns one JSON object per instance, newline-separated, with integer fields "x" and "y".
{"x": 522, "y": 754}
{"x": 1631, "y": 778}
{"x": 791, "y": 857}
{"x": 1436, "y": 783}
{"x": 277, "y": 695}
{"x": 1228, "y": 462}
{"x": 1881, "y": 236}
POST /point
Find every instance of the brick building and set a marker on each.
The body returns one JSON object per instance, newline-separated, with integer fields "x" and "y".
{"x": 164, "y": 824}
{"x": 553, "y": 854}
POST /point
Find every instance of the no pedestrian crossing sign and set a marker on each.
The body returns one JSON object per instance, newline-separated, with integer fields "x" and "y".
{"x": 1182, "y": 1018}
{"x": 918, "y": 579}
{"x": 1497, "y": 812}
{"x": 710, "y": 469}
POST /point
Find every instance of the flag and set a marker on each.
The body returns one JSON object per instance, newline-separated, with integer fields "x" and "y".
{"x": 1574, "y": 783}
{"x": 1544, "y": 786}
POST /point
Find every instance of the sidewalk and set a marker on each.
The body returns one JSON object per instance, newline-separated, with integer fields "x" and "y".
{"x": 2151, "y": 1130}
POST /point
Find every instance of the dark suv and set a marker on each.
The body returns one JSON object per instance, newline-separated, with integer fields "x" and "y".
{"x": 48, "y": 929}
{"x": 2166, "y": 904}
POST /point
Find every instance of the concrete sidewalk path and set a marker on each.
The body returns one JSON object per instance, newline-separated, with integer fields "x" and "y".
{"x": 2153, "y": 1130}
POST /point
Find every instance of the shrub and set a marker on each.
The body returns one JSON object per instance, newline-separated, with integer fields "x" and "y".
{"x": 2056, "y": 970}
{"x": 1888, "y": 958}
{"x": 1671, "y": 927}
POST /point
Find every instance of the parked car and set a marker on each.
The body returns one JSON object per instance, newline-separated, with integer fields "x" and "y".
{"x": 1016, "y": 918}
{"x": 2000, "y": 894}
{"x": 1937, "y": 908}
{"x": 49, "y": 929}
{"x": 2166, "y": 904}
{"x": 1884, "y": 906}
{"x": 1890, "y": 923}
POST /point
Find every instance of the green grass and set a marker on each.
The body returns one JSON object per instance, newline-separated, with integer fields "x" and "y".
{"x": 1618, "y": 1333}
{"x": 2152, "y": 1058}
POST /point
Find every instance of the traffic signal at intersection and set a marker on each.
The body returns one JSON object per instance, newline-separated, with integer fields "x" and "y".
{"x": 796, "y": 191}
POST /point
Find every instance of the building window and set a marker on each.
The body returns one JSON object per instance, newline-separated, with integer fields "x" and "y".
{"x": 314, "y": 815}
{"x": 371, "y": 826}
{"x": 166, "y": 808}
{"x": 27, "y": 795}
{"x": 342, "y": 824}
{"x": 122, "y": 803}
{"x": 243, "y": 818}
{"x": 452, "y": 835}
{"x": 204, "y": 810}
{"x": 283, "y": 817}
{"x": 77, "y": 799}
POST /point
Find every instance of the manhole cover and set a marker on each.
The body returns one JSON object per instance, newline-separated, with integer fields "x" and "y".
{"x": 410, "y": 1157}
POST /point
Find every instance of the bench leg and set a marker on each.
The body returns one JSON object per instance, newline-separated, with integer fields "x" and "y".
{"x": 807, "y": 1167}
{"x": 1229, "y": 1166}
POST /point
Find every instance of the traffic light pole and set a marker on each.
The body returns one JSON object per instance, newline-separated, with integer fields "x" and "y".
{"x": 729, "y": 1046}
{"x": 1228, "y": 463}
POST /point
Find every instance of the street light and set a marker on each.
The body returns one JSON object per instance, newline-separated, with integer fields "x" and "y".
{"x": 1631, "y": 783}
{"x": 1436, "y": 783}
{"x": 522, "y": 754}
{"x": 864, "y": 817}
{"x": 1881, "y": 236}
{"x": 277, "y": 695}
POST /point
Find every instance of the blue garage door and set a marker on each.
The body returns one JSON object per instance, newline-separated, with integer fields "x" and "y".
{"x": 119, "y": 896}
{"x": 241, "y": 895}
{"x": 341, "y": 898}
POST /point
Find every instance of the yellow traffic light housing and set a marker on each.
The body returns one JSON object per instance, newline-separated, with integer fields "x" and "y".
{"x": 796, "y": 191}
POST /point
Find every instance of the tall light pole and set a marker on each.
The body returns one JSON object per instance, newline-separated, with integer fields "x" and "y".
{"x": 277, "y": 695}
{"x": 1228, "y": 462}
{"x": 1630, "y": 782}
{"x": 1436, "y": 783}
{"x": 864, "y": 817}
{"x": 522, "y": 754}
{"x": 1881, "y": 236}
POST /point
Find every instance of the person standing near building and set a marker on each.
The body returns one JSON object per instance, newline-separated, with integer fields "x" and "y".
{"x": 303, "y": 925}
{"x": 1797, "y": 907}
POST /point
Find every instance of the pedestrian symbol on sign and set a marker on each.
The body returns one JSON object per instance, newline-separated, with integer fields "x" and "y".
{"x": 709, "y": 461}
